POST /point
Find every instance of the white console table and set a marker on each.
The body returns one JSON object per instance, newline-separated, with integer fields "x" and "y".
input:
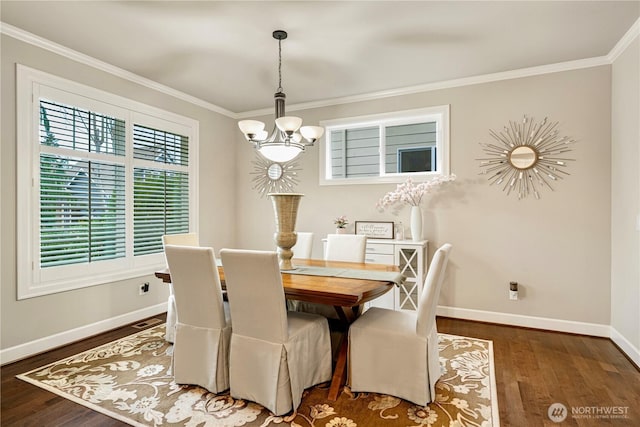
{"x": 412, "y": 259}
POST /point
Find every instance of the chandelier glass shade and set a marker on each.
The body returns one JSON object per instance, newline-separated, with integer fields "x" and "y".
{"x": 288, "y": 137}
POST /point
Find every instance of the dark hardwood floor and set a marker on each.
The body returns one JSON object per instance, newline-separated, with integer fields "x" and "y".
{"x": 533, "y": 368}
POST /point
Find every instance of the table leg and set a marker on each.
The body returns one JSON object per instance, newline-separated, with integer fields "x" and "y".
{"x": 340, "y": 372}
{"x": 347, "y": 315}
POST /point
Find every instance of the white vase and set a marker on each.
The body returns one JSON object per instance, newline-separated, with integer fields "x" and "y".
{"x": 416, "y": 223}
{"x": 340, "y": 230}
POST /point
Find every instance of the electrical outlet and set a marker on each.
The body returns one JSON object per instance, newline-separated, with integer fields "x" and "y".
{"x": 513, "y": 291}
{"x": 144, "y": 288}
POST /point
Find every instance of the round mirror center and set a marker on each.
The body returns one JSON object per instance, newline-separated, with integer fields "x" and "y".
{"x": 522, "y": 157}
{"x": 274, "y": 171}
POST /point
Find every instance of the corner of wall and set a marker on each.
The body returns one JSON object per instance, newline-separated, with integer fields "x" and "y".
{"x": 625, "y": 346}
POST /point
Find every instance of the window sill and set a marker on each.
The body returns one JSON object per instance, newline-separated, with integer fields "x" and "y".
{"x": 387, "y": 179}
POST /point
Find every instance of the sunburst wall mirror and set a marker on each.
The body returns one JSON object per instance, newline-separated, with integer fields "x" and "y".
{"x": 274, "y": 177}
{"x": 526, "y": 157}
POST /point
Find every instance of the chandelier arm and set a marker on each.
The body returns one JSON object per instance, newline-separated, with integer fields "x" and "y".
{"x": 276, "y": 136}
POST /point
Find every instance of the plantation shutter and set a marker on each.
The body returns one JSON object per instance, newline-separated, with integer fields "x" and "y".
{"x": 161, "y": 192}
{"x": 82, "y": 200}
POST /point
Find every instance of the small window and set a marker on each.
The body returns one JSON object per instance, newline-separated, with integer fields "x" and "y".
{"x": 386, "y": 147}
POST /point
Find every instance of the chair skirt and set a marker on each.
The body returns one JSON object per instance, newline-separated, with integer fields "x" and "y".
{"x": 192, "y": 365}
{"x": 276, "y": 374}
{"x": 387, "y": 356}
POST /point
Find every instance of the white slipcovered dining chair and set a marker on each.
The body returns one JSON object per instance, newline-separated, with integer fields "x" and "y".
{"x": 302, "y": 249}
{"x": 396, "y": 352}
{"x": 340, "y": 247}
{"x": 203, "y": 328}
{"x": 185, "y": 239}
{"x": 346, "y": 247}
{"x": 275, "y": 354}
{"x": 303, "y": 246}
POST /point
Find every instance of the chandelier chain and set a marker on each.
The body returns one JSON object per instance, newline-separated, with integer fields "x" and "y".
{"x": 279, "y": 65}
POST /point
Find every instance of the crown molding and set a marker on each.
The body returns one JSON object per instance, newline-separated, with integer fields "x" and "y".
{"x": 448, "y": 84}
{"x": 624, "y": 42}
{"x": 66, "y": 52}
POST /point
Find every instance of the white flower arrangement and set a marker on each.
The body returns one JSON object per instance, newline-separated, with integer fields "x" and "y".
{"x": 411, "y": 193}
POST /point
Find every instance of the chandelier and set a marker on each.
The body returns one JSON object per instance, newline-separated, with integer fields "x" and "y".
{"x": 286, "y": 140}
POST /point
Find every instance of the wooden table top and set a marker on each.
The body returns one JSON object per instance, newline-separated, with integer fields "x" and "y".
{"x": 336, "y": 291}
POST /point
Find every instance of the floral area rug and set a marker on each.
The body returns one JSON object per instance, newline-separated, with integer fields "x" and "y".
{"x": 130, "y": 380}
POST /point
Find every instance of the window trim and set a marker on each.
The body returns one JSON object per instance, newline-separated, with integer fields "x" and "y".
{"x": 31, "y": 282}
{"x": 438, "y": 113}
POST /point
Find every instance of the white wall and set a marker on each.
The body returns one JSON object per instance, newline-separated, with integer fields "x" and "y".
{"x": 625, "y": 200}
{"x": 557, "y": 248}
{"x": 38, "y": 318}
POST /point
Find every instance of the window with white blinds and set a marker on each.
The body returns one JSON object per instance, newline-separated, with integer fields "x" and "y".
{"x": 82, "y": 201}
{"x": 82, "y": 211}
{"x": 386, "y": 147}
{"x": 160, "y": 196}
{"x": 101, "y": 178}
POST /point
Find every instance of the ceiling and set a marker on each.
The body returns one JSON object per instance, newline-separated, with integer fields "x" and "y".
{"x": 222, "y": 52}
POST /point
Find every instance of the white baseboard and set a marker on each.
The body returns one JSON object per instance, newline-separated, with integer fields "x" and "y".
{"x": 624, "y": 344}
{"x": 559, "y": 325}
{"x": 21, "y": 351}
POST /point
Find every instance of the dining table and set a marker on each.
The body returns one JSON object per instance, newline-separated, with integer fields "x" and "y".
{"x": 346, "y": 286}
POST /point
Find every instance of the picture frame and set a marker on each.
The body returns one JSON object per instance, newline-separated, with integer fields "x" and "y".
{"x": 376, "y": 229}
